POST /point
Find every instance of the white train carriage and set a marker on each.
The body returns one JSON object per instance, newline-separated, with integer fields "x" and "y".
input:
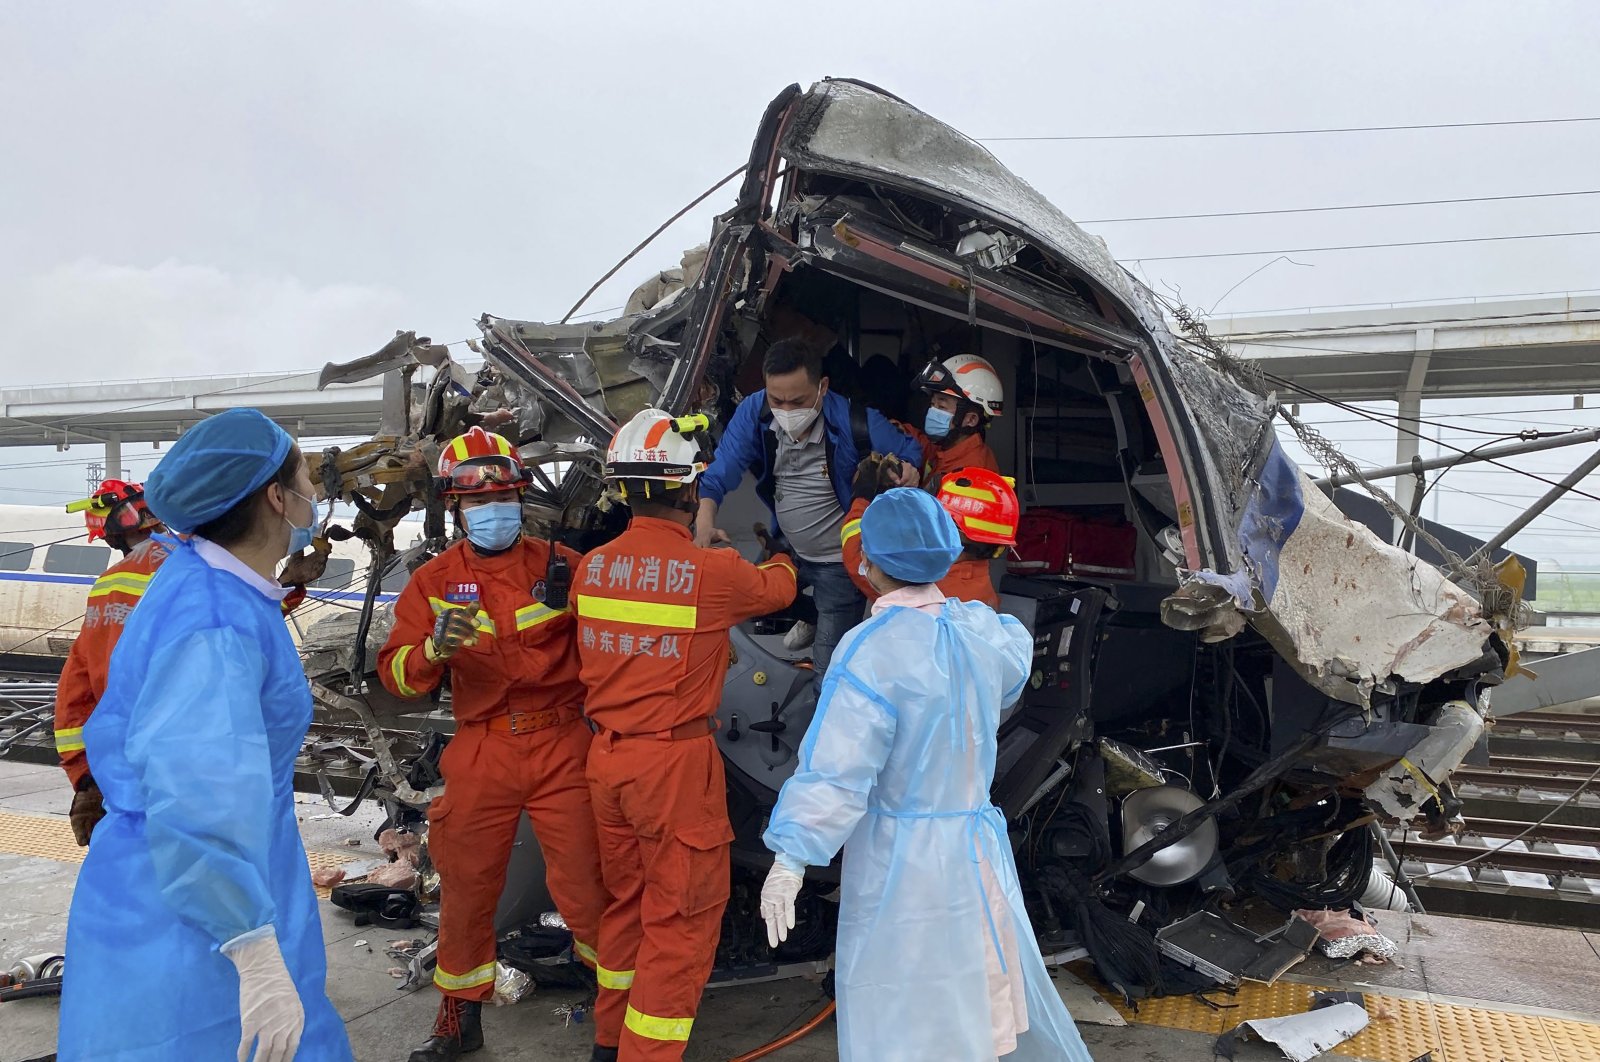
{"x": 47, "y": 566}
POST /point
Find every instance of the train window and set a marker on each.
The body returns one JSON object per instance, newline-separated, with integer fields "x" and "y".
{"x": 77, "y": 560}
{"x": 395, "y": 577}
{"x": 337, "y": 575}
{"x": 15, "y": 556}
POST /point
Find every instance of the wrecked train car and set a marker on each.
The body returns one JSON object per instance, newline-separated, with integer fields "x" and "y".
{"x": 1219, "y": 708}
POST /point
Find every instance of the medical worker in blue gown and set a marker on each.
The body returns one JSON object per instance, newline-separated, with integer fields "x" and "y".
{"x": 936, "y": 959}
{"x": 194, "y": 931}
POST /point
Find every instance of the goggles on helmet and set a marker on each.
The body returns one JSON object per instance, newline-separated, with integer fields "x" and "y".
{"x": 482, "y": 474}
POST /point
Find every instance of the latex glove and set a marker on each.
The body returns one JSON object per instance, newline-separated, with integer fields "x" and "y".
{"x": 271, "y": 1018}
{"x": 777, "y": 900}
{"x": 87, "y": 809}
{"x": 454, "y": 630}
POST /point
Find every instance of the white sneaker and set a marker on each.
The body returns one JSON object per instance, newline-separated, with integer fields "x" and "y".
{"x": 800, "y": 635}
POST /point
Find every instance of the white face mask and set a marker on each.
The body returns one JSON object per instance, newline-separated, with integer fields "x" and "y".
{"x": 796, "y": 422}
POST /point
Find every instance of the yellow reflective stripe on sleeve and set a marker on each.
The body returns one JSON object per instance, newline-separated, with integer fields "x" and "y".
{"x": 585, "y": 952}
{"x": 850, "y": 530}
{"x": 131, "y": 583}
{"x": 485, "y": 623}
{"x": 70, "y": 739}
{"x": 533, "y": 615}
{"x": 648, "y": 613}
{"x": 653, "y": 1028}
{"x": 990, "y": 526}
{"x": 461, "y": 982}
{"x": 616, "y": 980}
{"x": 397, "y": 668}
{"x": 975, "y": 493}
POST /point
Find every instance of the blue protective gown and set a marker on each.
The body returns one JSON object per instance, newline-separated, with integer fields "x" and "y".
{"x": 896, "y": 768}
{"x": 193, "y": 746}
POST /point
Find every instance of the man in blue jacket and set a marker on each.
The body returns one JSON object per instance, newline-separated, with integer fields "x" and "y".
{"x": 803, "y": 444}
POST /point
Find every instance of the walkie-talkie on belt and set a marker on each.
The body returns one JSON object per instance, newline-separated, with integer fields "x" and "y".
{"x": 557, "y": 580}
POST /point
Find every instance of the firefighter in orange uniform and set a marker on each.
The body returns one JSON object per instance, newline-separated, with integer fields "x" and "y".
{"x": 117, "y": 513}
{"x": 985, "y": 508}
{"x": 653, "y": 617}
{"x": 491, "y": 611}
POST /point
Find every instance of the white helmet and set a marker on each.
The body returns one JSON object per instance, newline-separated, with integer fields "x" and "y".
{"x": 656, "y": 445}
{"x": 965, "y": 376}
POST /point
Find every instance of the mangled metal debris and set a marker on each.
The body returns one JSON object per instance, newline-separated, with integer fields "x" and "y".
{"x": 1216, "y": 713}
{"x": 1301, "y": 1037}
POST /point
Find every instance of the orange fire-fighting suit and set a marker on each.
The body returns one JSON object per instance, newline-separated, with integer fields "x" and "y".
{"x": 653, "y": 618}
{"x": 520, "y": 744}
{"x": 970, "y": 578}
{"x": 969, "y": 451}
{"x": 83, "y": 679}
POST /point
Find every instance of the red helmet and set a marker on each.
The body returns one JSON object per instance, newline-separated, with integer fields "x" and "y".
{"x": 983, "y": 505}
{"x": 116, "y": 509}
{"x": 480, "y": 462}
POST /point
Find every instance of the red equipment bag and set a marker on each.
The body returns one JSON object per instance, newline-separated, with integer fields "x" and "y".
{"x": 1053, "y": 542}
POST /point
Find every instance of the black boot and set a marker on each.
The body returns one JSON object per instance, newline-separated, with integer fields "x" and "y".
{"x": 457, "y": 1030}
{"x": 604, "y": 1054}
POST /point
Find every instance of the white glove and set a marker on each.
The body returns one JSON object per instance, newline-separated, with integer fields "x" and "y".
{"x": 777, "y": 900}
{"x": 270, "y": 1013}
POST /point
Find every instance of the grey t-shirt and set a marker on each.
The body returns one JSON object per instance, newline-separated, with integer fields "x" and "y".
{"x": 807, "y": 507}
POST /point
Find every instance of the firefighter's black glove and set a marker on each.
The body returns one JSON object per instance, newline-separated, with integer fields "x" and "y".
{"x": 87, "y": 809}
{"x": 870, "y": 479}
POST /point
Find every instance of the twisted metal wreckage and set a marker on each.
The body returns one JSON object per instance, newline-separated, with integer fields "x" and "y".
{"x": 1226, "y": 722}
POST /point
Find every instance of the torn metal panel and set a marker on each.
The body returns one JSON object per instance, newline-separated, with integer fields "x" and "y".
{"x": 1350, "y": 611}
{"x": 1301, "y": 1037}
{"x": 1229, "y": 954}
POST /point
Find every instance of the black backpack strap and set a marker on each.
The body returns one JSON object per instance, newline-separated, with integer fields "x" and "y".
{"x": 860, "y": 430}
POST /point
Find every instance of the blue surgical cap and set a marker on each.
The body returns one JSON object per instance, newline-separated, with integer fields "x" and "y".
{"x": 214, "y": 466}
{"x": 907, "y": 534}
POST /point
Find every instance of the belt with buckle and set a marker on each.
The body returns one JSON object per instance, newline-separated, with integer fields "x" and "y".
{"x": 525, "y": 722}
{"x": 682, "y": 732}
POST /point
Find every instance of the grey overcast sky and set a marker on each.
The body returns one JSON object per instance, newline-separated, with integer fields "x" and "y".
{"x": 195, "y": 187}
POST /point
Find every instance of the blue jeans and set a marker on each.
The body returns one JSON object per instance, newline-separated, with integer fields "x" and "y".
{"x": 839, "y": 606}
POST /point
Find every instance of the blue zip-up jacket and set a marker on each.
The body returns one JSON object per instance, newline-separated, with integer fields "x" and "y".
{"x": 749, "y": 445}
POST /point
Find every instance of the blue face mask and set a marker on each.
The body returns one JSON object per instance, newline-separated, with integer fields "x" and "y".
{"x": 300, "y": 537}
{"x": 937, "y": 423}
{"x": 494, "y": 526}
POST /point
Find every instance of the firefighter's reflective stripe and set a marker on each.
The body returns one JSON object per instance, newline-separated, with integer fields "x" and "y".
{"x": 653, "y": 1028}
{"x": 484, "y": 623}
{"x": 133, "y": 584}
{"x": 535, "y": 614}
{"x": 461, "y": 982}
{"x": 975, "y": 493}
{"x": 780, "y": 564}
{"x": 616, "y": 980}
{"x": 647, "y": 613}
{"x": 585, "y": 952}
{"x": 851, "y": 529}
{"x": 989, "y": 526}
{"x": 397, "y": 667}
{"x": 69, "y": 739}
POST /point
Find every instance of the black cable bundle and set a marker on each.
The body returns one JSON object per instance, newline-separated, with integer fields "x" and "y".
{"x": 1124, "y": 953}
{"x": 1349, "y": 868}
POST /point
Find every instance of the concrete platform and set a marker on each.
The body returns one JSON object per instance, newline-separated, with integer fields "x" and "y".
{"x": 1467, "y": 991}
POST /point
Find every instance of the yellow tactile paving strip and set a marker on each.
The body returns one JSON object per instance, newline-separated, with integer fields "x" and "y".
{"x": 1401, "y": 1029}
{"x": 32, "y": 835}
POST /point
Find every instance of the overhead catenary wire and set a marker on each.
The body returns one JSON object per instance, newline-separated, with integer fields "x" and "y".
{"x": 1360, "y": 246}
{"x": 1330, "y": 209}
{"x": 1288, "y": 132}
